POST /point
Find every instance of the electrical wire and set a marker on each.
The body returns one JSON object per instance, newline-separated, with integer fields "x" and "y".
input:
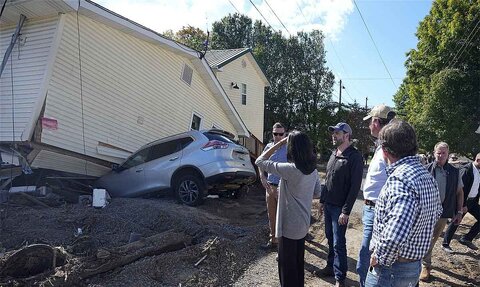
{"x": 3, "y": 8}
{"x": 234, "y": 7}
{"x": 374, "y": 44}
{"x": 261, "y": 15}
{"x": 81, "y": 88}
{"x": 278, "y": 18}
{"x": 467, "y": 41}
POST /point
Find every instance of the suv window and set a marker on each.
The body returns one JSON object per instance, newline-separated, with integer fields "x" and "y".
{"x": 218, "y": 137}
{"x": 136, "y": 159}
{"x": 163, "y": 149}
{"x": 184, "y": 142}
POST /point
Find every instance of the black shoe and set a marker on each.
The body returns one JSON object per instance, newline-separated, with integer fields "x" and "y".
{"x": 467, "y": 243}
{"x": 447, "y": 248}
{"x": 325, "y": 272}
{"x": 270, "y": 246}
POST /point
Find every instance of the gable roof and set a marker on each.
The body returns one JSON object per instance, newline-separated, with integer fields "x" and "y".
{"x": 220, "y": 58}
{"x": 49, "y": 8}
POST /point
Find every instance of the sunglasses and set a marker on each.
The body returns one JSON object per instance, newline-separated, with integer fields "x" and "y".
{"x": 278, "y": 134}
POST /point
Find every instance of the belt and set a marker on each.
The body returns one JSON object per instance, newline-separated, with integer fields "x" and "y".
{"x": 406, "y": 260}
{"x": 369, "y": 203}
{"x": 273, "y": 184}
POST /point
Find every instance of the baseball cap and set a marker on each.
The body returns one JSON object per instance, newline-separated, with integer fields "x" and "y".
{"x": 344, "y": 127}
{"x": 380, "y": 111}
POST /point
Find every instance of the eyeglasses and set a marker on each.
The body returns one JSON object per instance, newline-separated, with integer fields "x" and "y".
{"x": 278, "y": 134}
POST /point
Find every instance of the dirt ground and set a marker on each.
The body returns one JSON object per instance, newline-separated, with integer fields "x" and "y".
{"x": 235, "y": 258}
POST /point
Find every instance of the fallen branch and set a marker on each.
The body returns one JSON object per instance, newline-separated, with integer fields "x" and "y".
{"x": 33, "y": 199}
{"x": 126, "y": 254}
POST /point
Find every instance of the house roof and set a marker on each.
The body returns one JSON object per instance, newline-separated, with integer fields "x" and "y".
{"x": 49, "y": 8}
{"x": 220, "y": 58}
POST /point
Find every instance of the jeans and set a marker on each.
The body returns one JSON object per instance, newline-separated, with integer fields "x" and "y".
{"x": 397, "y": 275}
{"x": 473, "y": 209}
{"x": 337, "y": 249}
{"x": 364, "y": 255}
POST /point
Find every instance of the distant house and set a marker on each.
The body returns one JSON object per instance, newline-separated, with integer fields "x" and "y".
{"x": 84, "y": 87}
{"x": 244, "y": 82}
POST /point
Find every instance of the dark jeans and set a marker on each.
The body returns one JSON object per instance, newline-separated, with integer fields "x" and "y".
{"x": 291, "y": 262}
{"x": 337, "y": 245}
{"x": 473, "y": 209}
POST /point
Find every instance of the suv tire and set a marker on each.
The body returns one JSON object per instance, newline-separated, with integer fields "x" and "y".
{"x": 189, "y": 190}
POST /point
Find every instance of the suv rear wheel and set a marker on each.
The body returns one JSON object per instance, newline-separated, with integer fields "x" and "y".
{"x": 189, "y": 190}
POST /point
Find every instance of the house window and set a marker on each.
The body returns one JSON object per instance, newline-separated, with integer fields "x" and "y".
{"x": 244, "y": 94}
{"x": 187, "y": 74}
{"x": 196, "y": 122}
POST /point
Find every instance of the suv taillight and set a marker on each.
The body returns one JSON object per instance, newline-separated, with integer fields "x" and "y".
{"x": 214, "y": 144}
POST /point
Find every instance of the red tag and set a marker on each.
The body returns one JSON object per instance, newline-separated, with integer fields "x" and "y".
{"x": 49, "y": 124}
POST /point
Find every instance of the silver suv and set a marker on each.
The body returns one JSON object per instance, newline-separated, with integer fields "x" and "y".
{"x": 192, "y": 163}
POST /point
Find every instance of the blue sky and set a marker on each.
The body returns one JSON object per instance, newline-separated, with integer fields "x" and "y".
{"x": 350, "y": 52}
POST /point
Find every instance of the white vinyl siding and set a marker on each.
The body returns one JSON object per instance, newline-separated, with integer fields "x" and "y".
{"x": 253, "y": 112}
{"x": 51, "y": 160}
{"x": 29, "y": 69}
{"x": 124, "y": 79}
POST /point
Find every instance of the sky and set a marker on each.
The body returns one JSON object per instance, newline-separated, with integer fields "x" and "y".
{"x": 369, "y": 66}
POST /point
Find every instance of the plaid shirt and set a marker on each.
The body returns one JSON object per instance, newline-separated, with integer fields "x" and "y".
{"x": 405, "y": 213}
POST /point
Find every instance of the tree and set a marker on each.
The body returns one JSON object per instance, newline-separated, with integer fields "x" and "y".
{"x": 193, "y": 37}
{"x": 231, "y": 32}
{"x": 440, "y": 96}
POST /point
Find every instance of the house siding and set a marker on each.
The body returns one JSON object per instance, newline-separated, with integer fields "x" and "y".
{"x": 252, "y": 113}
{"x": 131, "y": 91}
{"x": 29, "y": 69}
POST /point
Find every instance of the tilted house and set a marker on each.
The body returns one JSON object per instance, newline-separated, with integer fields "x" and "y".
{"x": 83, "y": 87}
{"x": 244, "y": 82}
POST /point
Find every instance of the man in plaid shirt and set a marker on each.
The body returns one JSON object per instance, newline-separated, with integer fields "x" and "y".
{"x": 406, "y": 211}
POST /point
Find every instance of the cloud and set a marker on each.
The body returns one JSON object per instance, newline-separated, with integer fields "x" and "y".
{"x": 329, "y": 16}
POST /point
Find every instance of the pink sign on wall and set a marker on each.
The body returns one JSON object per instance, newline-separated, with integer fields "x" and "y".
{"x": 49, "y": 124}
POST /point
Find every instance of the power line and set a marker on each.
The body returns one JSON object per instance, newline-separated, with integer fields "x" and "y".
{"x": 234, "y": 7}
{"x": 374, "y": 44}
{"x": 450, "y": 59}
{"x": 261, "y": 15}
{"x": 467, "y": 41}
{"x": 277, "y": 17}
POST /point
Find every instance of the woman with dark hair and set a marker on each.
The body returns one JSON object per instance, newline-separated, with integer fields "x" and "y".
{"x": 299, "y": 184}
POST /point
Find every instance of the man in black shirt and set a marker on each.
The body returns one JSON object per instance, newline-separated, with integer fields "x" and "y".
{"x": 343, "y": 180}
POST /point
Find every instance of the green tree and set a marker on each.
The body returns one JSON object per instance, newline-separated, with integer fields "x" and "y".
{"x": 190, "y": 36}
{"x": 441, "y": 94}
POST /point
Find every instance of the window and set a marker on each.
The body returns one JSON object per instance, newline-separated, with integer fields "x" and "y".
{"x": 218, "y": 137}
{"x": 187, "y": 74}
{"x": 196, "y": 122}
{"x": 136, "y": 159}
{"x": 163, "y": 149}
{"x": 244, "y": 94}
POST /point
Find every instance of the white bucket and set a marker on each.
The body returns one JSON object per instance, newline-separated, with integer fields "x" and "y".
{"x": 100, "y": 197}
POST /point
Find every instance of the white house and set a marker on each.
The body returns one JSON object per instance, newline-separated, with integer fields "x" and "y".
{"x": 83, "y": 87}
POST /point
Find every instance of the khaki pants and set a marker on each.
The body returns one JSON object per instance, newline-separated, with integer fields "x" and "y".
{"x": 437, "y": 231}
{"x": 272, "y": 201}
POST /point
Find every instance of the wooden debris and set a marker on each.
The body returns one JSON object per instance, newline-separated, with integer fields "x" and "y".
{"x": 126, "y": 254}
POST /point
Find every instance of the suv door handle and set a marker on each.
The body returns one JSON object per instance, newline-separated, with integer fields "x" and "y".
{"x": 173, "y": 158}
{"x": 139, "y": 170}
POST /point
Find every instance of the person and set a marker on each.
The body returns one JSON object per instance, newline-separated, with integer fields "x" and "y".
{"x": 271, "y": 181}
{"x": 405, "y": 211}
{"x": 471, "y": 188}
{"x": 343, "y": 180}
{"x": 299, "y": 184}
{"x": 450, "y": 187}
{"x": 376, "y": 177}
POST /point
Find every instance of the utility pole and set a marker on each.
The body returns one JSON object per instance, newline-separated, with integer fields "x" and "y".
{"x": 340, "y": 96}
{"x": 366, "y": 101}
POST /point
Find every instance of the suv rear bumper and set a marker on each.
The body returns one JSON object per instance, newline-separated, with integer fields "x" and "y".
{"x": 231, "y": 180}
